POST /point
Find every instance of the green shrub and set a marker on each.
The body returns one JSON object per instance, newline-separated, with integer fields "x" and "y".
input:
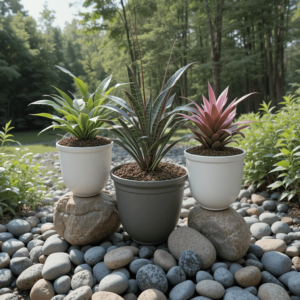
{"x": 19, "y": 179}
{"x": 272, "y": 146}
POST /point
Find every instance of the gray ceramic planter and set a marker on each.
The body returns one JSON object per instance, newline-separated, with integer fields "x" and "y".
{"x": 149, "y": 210}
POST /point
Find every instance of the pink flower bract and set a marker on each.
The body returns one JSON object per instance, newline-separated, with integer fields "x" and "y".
{"x": 215, "y": 128}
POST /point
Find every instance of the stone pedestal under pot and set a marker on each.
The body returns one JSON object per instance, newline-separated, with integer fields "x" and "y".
{"x": 83, "y": 221}
{"x": 225, "y": 229}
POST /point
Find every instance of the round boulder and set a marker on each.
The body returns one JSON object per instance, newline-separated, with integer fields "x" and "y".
{"x": 226, "y": 230}
{"x": 83, "y": 221}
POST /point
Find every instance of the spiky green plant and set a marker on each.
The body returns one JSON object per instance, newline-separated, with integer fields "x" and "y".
{"x": 82, "y": 118}
{"x": 142, "y": 125}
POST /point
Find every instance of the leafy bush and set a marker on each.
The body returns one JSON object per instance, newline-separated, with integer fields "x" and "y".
{"x": 19, "y": 180}
{"x": 82, "y": 118}
{"x": 273, "y": 147}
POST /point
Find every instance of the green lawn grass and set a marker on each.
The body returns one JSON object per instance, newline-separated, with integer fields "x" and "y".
{"x": 28, "y": 137}
{"x": 40, "y": 148}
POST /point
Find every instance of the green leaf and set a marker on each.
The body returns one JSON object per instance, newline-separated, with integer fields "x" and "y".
{"x": 82, "y": 88}
{"x": 103, "y": 85}
{"x": 285, "y": 151}
{"x": 275, "y": 185}
{"x": 66, "y": 71}
{"x": 79, "y": 104}
{"x": 278, "y": 169}
{"x": 283, "y": 163}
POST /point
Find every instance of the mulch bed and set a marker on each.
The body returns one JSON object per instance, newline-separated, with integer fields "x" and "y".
{"x": 75, "y": 142}
{"x": 226, "y": 151}
{"x": 164, "y": 171}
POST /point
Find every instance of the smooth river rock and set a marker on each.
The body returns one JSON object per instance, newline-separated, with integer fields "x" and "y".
{"x": 269, "y": 291}
{"x": 56, "y": 265}
{"x": 83, "y": 221}
{"x": 226, "y": 230}
{"x": 186, "y": 238}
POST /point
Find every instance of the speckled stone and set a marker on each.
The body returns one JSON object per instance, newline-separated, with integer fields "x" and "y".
{"x": 80, "y": 279}
{"x": 190, "y": 262}
{"x": 269, "y": 291}
{"x": 29, "y": 277}
{"x": 152, "y": 277}
{"x": 271, "y": 245}
{"x": 226, "y": 230}
{"x": 249, "y": 276}
{"x": 186, "y": 238}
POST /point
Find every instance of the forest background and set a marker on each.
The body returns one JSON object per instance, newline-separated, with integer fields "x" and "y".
{"x": 248, "y": 45}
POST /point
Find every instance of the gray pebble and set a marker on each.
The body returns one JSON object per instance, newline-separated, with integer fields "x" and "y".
{"x": 266, "y": 277}
{"x": 100, "y": 270}
{"x": 19, "y": 264}
{"x": 136, "y": 264}
{"x": 224, "y": 277}
{"x": 176, "y": 275}
{"x": 94, "y": 255}
{"x": 182, "y": 291}
{"x": 62, "y": 285}
{"x": 77, "y": 257}
{"x": 190, "y": 262}
{"x": 115, "y": 283}
{"x": 18, "y": 227}
{"x": 152, "y": 277}
{"x": 276, "y": 263}
{"x": 80, "y": 279}
{"x": 26, "y": 237}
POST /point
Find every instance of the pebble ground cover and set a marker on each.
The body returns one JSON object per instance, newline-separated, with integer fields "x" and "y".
{"x": 36, "y": 263}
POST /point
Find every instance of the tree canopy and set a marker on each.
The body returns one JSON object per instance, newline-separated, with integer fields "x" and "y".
{"x": 248, "y": 45}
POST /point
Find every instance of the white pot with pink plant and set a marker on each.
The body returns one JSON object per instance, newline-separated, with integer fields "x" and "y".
{"x": 215, "y": 170}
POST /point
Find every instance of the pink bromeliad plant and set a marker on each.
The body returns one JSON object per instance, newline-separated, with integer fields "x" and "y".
{"x": 215, "y": 128}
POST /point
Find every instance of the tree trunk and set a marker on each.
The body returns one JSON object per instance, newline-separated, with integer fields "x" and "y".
{"x": 215, "y": 43}
{"x": 132, "y": 56}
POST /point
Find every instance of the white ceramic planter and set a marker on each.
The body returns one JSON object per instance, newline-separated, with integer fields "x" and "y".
{"x": 85, "y": 170}
{"x": 215, "y": 181}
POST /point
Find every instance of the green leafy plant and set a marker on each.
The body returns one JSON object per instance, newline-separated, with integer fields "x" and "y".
{"x": 214, "y": 126}
{"x": 274, "y": 141}
{"x": 82, "y": 118}
{"x": 142, "y": 124}
{"x": 19, "y": 179}
{"x": 288, "y": 166}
